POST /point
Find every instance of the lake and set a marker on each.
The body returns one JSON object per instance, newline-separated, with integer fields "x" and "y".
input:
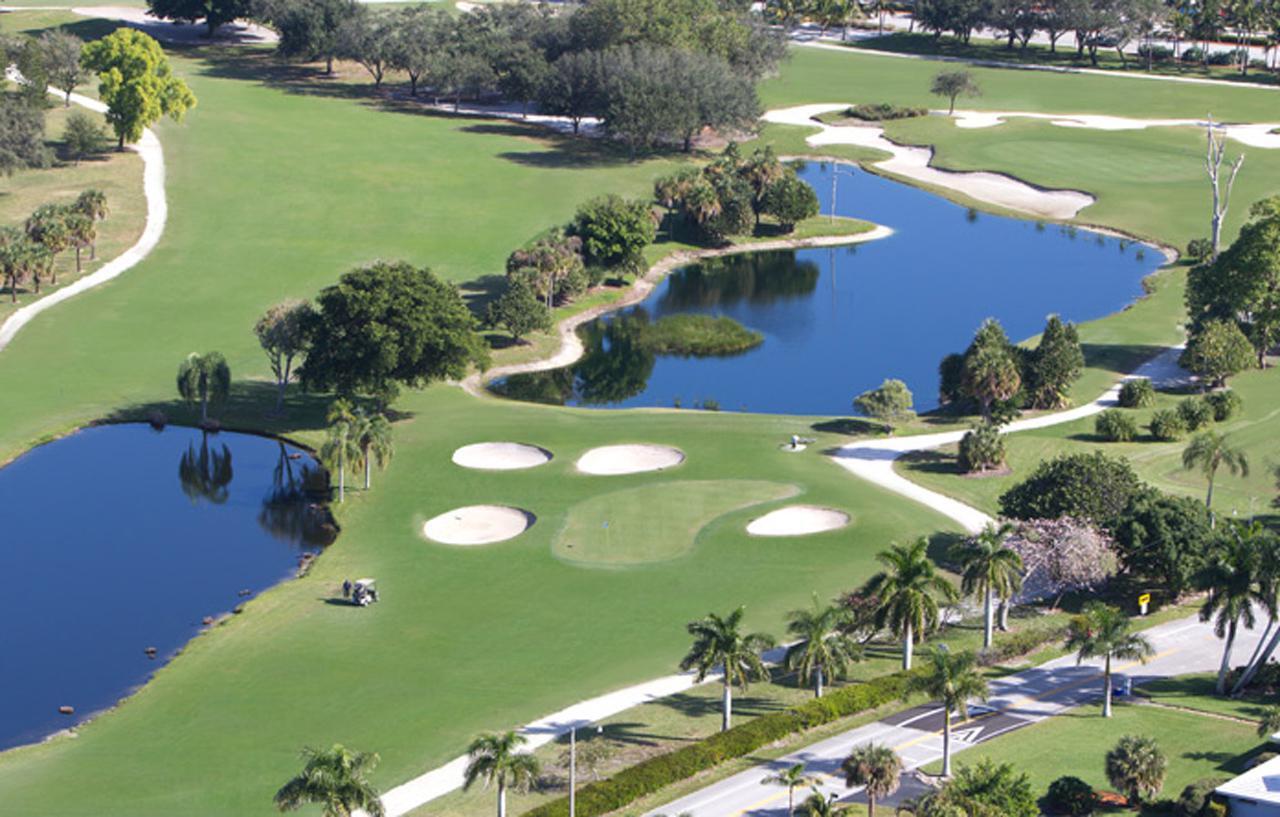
{"x": 838, "y": 321}
{"x": 119, "y": 538}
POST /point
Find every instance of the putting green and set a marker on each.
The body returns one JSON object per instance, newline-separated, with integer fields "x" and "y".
{"x": 655, "y": 523}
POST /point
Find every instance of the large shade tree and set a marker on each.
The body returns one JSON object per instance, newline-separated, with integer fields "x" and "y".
{"x": 136, "y": 82}
{"x": 284, "y": 333}
{"x": 909, "y": 590}
{"x": 497, "y": 760}
{"x": 1103, "y": 631}
{"x": 718, "y": 641}
{"x": 337, "y": 779}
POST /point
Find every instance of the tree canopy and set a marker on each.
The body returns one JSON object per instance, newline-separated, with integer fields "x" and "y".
{"x": 136, "y": 82}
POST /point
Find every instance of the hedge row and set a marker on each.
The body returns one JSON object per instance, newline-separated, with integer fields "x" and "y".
{"x": 648, "y": 776}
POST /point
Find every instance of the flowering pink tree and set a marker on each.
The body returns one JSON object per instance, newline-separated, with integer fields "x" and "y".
{"x": 1061, "y": 555}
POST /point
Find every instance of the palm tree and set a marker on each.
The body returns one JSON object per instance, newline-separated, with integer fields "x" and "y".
{"x": 206, "y": 378}
{"x": 818, "y": 804}
{"x": 83, "y": 233}
{"x": 792, "y": 777}
{"x": 1233, "y": 580}
{"x": 875, "y": 767}
{"x": 909, "y": 591}
{"x": 953, "y": 679}
{"x": 341, "y": 446}
{"x": 335, "y": 777}
{"x": 1270, "y": 723}
{"x": 990, "y": 569}
{"x": 1209, "y": 451}
{"x": 205, "y": 473}
{"x": 1136, "y": 767}
{"x": 1102, "y": 631}
{"x": 92, "y": 203}
{"x": 372, "y": 433}
{"x": 823, "y": 649}
{"x": 498, "y": 759}
{"x": 717, "y": 641}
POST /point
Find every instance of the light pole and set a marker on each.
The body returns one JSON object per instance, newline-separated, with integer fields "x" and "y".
{"x": 835, "y": 177}
{"x": 573, "y": 767}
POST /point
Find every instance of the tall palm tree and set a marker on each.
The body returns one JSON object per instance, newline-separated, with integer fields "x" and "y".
{"x": 341, "y": 447}
{"x": 718, "y": 641}
{"x": 989, "y": 569}
{"x": 909, "y": 590}
{"x": 1102, "y": 631}
{"x": 793, "y": 777}
{"x": 953, "y": 679}
{"x": 498, "y": 759}
{"x": 1136, "y": 766}
{"x": 206, "y": 378}
{"x": 92, "y": 203}
{"x": 373, "y": 434}
{"x": 1208, "y": 451}
{"x": 823, "y": 649}
{"x": 337, "y": 778}
{"x": 875, "y": 767}
{"x": 1233, "y": 579}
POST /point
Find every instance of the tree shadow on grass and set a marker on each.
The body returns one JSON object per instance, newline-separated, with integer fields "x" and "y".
{"x": 931, "y": 462}
{"x": 701, "y": 706}
{"x": 91, "y": 28}
{"x": 1120, "y": 358}
{"x": 851, "y": 426}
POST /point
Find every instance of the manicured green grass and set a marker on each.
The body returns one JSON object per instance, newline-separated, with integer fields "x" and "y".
{"x": 119, "y": 175}
{"x": 279, "y": 182}
{"x": 1196, "y": 692}
{"x": 1076, "y": 742}
{"x": 655, "y": 523}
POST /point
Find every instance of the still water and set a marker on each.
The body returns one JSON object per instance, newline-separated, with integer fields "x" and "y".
{"x": 838, "y": 321}
{"x": 120, "y": 538}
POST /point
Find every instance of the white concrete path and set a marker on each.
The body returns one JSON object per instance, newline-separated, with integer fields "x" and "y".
{"x": 149, "y": 149}
{"x": 873, "y": 460}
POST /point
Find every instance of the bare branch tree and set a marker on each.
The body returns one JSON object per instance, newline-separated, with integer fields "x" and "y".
{"x": 1216, "y": 151}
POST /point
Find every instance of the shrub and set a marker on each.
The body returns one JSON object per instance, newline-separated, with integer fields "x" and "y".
{"x": 790, "y": 201}
{"x": 1090, "y": 486}
{"x": 1225, "y": 404}
{"x": 1199, "y": 249}
{"x": 614, "y": 231}
{"x": 1195, "y": 412}
{"x": 1137, "y": 393}
{"x": 1216, "y": 351}
{"x": 1158, "y": 53}
{"x": 1196, "y": 797}
{"x": 82, "y": 136}
{"x": 1071, "y": 795}
{"x": 981, "y": 448}
{"x": 1116, "y": 426}
{"x": 1231, "y": 57}
{"x": 1167, "y": 426}
{"x": 883, "y": 111}
{"x": 1193, "y": 54}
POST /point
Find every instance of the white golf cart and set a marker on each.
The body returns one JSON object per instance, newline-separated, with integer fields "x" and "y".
{"x": 363, "y": 592}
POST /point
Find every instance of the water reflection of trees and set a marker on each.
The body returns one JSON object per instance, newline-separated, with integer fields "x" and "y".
{"x": 755, "y": 278}
{"x": 289, "y": 512}
{"x": 615, "y": 366}
{"x": 205, "y": 471}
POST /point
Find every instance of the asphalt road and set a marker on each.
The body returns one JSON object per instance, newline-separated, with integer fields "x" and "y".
{"x": 1183, "y": 646}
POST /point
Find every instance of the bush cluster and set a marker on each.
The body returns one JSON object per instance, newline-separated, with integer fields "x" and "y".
{"x": 1167, "y": 426}
{"x": 1137, "y": 393}
{"x": 699, "y": 336}
{"x": 1195, "y": 412}
{"x": 981, "y": 448}
{"x": 1116, "y": 426}
{"x": 1071, "y": 795}
{"x": 1225, "y": 404}
{"x": 883, "y": 112}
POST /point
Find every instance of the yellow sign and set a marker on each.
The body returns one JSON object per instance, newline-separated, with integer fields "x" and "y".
{"x": 1145, "y": 598}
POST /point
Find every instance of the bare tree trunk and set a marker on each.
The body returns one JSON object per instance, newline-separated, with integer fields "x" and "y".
{"x": 1221, "y": 686}
{"x": 1216, "y": 151}
{"x": 907, "y": 647}
{"x": 1257, "y": 663}
{"x": 727, "y": 700}
{"x": 987, "y": 619}
{"x": 817, "y": 689}
{"x": 946, "y": 740}
{"x": 1106, "y": 688}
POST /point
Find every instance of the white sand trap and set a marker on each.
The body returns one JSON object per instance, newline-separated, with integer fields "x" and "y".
{"x": 501, "y": 456}
{"x": 629, "y": 459}
{"x": 477, "y": 525}
{"x": 797, "y": 520}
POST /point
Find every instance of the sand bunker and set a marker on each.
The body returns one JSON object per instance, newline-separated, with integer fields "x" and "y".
{"x": 477, "y": 525}
{"x": 629, "y": 459}
{"x": 501, "y": 456}
{"x": 798, "y": 520}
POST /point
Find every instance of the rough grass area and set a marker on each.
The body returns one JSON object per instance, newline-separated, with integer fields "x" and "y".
{"x": 700, "y": 336}
{"x": 655, "y": 523}
{"x": 1076, "y": 742}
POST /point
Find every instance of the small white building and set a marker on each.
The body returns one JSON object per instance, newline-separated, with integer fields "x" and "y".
{"x": 1256, "y": 793}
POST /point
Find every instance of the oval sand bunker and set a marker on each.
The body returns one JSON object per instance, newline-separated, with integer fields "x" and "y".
{"x": 797, "y": 520}
{"x": 501, "y": 456}
{"x": 629, "y": 459}
{"x": 477, "y": 525}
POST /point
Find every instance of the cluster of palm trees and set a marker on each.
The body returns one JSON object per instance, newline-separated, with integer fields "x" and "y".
{"x": 355, "y": 438}
{"x": 28, "y": 255}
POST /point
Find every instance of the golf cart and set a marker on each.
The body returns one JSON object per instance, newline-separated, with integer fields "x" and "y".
{"x": 363, "y": 592}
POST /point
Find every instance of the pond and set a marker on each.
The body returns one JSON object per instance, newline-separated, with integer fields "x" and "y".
{"x": 120, "y": 538}
{"x": 838, "y": 321}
